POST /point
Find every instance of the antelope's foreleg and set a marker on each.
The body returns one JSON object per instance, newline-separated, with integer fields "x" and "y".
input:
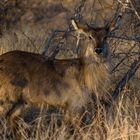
{"x": 12, "y": 117}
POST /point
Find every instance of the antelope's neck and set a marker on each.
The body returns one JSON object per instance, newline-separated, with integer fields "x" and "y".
{"x": 95, "y": 78}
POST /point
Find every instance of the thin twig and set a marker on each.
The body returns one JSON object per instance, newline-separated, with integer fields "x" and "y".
{"x": 136, "y": 13}
{"x": 118, "y": 64}
{"x": 32, "y": 43}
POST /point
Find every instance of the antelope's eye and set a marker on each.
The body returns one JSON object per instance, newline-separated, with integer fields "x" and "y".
{"x": 90, "y": 37}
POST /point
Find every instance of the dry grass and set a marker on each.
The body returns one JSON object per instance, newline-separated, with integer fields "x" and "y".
{"x": 121, "y": 121}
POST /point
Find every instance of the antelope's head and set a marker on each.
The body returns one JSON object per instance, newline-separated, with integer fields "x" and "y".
{"x": 92, "y": 43}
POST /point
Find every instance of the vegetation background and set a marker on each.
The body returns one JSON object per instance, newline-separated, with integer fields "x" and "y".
{"x": 28, "y": 25}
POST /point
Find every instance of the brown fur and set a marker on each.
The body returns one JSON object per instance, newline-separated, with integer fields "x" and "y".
{"x": 30, "y": 78}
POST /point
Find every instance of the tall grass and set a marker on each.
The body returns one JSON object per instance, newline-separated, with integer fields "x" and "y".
{"x": 120, "y": 122}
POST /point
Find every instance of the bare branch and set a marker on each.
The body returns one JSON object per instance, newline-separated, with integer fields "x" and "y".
{"x": 77, "y": 15}
{"x": 129, "y": 38}
{"x": 121, "y": 61}
{"x": 56, "y": 50}
{"x": 47, "y": 46}
{"x": 125, "y": 5}
{"x": 134, "y": 67}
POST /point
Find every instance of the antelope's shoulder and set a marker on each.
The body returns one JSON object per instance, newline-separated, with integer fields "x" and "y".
{"x": 68, "y": 67}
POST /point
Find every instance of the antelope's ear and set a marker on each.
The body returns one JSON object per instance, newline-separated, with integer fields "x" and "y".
{"x": 74, "y": 24}
{"x": 80, "y": 28}
{"x": 114, "y": 24}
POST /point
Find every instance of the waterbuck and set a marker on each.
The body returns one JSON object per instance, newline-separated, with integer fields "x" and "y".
{"x": 31, "y": 78}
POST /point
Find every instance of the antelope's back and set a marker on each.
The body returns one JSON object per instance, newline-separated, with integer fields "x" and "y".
{"x": 32, "y": 76}
{"x": 17, "y": 71}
